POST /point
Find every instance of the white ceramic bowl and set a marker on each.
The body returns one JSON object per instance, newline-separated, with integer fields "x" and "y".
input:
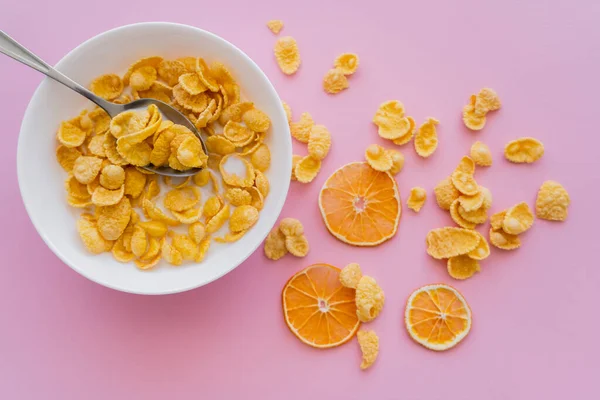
{"x": 41, "y": 179}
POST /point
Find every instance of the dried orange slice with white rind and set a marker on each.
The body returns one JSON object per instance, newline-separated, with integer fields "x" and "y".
{"x": 360, "y": 206}
{"x": 318, "y": 309}
{"x": 437, "y": 317}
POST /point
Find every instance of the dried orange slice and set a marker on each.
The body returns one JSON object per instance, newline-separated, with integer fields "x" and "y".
{"x": 360, "y": 206}
{"x": 318, "y": 309}
{"x": 437, "y": 317}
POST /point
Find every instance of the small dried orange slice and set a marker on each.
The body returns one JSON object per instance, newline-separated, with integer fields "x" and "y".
{"x": 360, "y": 206}
{"x": 437, "y": 317}
{"x": 318, "y": 309}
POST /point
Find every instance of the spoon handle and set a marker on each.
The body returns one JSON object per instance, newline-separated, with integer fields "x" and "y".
{"x": 13, "y": 49}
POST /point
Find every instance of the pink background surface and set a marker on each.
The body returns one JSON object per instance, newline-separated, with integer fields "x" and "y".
{"x": 535, "y": 331}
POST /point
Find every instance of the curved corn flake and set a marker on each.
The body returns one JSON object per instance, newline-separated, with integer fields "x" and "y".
{"x": 107, "y": 86}
{"x": 185, "y": 245}
{"x": 237, "y": 133}
{"x": 288, "y": 111}
{"x": 202, "y": 249}
{"x": 258, "y": 201}
{"x": 473, "y": 118}
{"x": 307, "y": 169}
{"x": 347, "y": 63}
{"x": 295, "y": 160}
{"x": 96, "y": 146}
{"x": 202, "y": 178}
{"x": 176, "y": 183}
{"x": 287, "y": 55}
{"x": 231, "y": 237}
{"x": 261, "y": 158}
{"x": 191, "y": 154}
{"x": 221, "y": 73}
{"x": 243, "y": 218}
{"x": 197, "y": 232}
{"x": 139, "y": 241}
{"x": 291, "y": 227}
{"x": 195, "y": 103}
{"x": 216, "y": 222}
{"x": 76, "y": 189}
{"x": 70, "y": 135}
{"x": 206, "y": 76}
{"x": 170, "y": 71}
{"x": 153, "y": 212}
{"x": 481, "y": 154}
{"x": 112, "y": 177}
{"x": 319, "y": 142}
{"x": 426, "y": 140}
{"x": 91, "y": 238}
{"x": 214, "y": 183}
{"x": 369, "y": 299}
{"x": 518, "y": 219}
{"x": 378, "y": 158}
{"x": 100, "y": 119}
{"x": 274, "y": 247}
{"x": 335, "y": 81}
{"x": 142, "y": 78}
{"x": 230, "y": 93}
{"x": 503, "y": 240}
{"x": 238, "y": 197}
{"x": 86, "y": 168}
{"x": 256, "y": 120}
{"x": 145, "y": 264}
{"x": 110, "y": 148}
{"x": 487, "y": 197}
{"x": 464, "y": 182}
{"x": 135, "y": 181}
{"x": 192, "y": 84}
{"x": 137, "y": 154}
{"x": 79, "y": 203}
{"x": 120, "y": 253}
{"x": 552, "y": 202}
{"x": 445, "y": 193}
{"x": 275, "y": 25}
{"x": 457, "y": 218}
{"x": 243, "y": 179}
{"x": 416, "y": 199}
{"x": 66, "y": 157}
{"x": 162, "y": 148}
{"x": 219, "y": 144}
{"x": 156, "y": 94}
{"x": 487, "y": 100}
{"x": 297, "y": 245}
{"x": 482, "y": 251}
{"x": 408, "y": 135}
{"x": 524, "y": 150}
{"x": 155, "y": 229}
{"x": 262, "y": 183}
{"x": 107, "y": 197}
{"x": 128, "y": 122}
{"x": 171, "y": 254}
{"x": 301, "y": 130}
{"x": 472, "y": 203}
{"x": 369, "y": 347}
{"x": 462, "y": 267}
{"x": 497, "y": 220}
{"x": 188, "y": 216}
{"x": 153, "y": 62}
{"x": 390, "y": 119}
{"x": 234, "y": 112}
{"x": 182, "y": 199}
{"x": 212, "y": 206}
{"x": 450, "y": 242}
{"x": 113, "y": 220}
{"x": 350, "y": 275}
{"x": 478, "y": 216}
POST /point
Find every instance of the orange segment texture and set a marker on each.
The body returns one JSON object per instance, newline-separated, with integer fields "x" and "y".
{"x": 437, "y": 317}
{"x": 318, "y": 309}
{"x": 360, "y": 206}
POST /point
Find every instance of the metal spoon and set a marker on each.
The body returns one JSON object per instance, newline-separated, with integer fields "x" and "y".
{"x": 13, "y": 49}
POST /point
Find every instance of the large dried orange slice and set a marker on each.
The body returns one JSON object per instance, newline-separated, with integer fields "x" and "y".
{"x": 318, "y": 309}
{"x": 437, "y": 316}
{"x": 360, "y": 206}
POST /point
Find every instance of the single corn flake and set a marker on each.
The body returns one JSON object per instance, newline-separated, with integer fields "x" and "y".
{"x": 457, "y": 217}
{"x": 408, "y": 135}
{"x": 390, "y": 119}
{"x": 451, "y": 242}
{"x": 478, "y": 216}
{"x": 397, "y": 161}
{"x": 497, "y": 220}
{"x": 524, "y": 150}
{"x": 188, "y": 216}
{"x": 472, "y": 203}
{"x": 216, "y": 222}
{"x": 182, "y": 199}
{"x": 191, "y": 154}
{"x": 274, "y": 247}
{"x": 113, "y": 220}
{"x": 369, "y": 299}
{"x": 197, "y": 231}
{"x": 170, "y": 71}
{"x": 243, "y": 218}
{"x": 462, "y": 267}
{"x": 297, "y": 245}
{"x": 378, "y": 158}
{"x": 76, "y": 189}
{"x": 473, "y": 119}
{"x": 218, "y": 144}
{"x": 518, "y": 219}
{"x": 185, "y": 245}
{"x": 307, "y": 169}
{"x": 319, "y": 142}
{"x": 552, "y": 202}
{"x": 369, "y": 347}
{"x": 237, "y": 133}
{"x": 335, "y": 81}
{"x": 91, "y": 238}
{"x": 350, "y": 275}
{"x": 212, "y": 206}
{"x": 487, "y": 100}
{"x": 301, "y": 130}
{"x": 195, "y": 103}
{"x": 295, "y": 160}
{"x": 112, "y": 177}
{"x": 426, "y": 140}
{"x": 192, "y": 84}
{"x": 238, "y": 197}
{"x": 66, "y": 157}
{"x": 107, "y": 86}
{"x": 503, "y": 240}
{"x": 256, "y": 120}
{"x": 261, "y": 158}
{"x": 107, "y": 197}
{"x": 445, "y": 193}
{"x": 481, "y": 154}
{"x": 70, "y": 135}
{"x": 237, "y": 179}
{"x": 416, "y": 199}
{"x": 139, "y": 241}
{"x": 262, "y": 183}
{"x": 347, "y": 63}
{"x": 275, "y": 25}
{"x": 487, "y": 197}
{"x": 291, "y": 227}
{"x": 86, "y": 169}
{"x": 202, "y": 249}
{"x": 465, "y": 182}
{"x": 171, "y": 254}
{"x": 206, "y": 76}
{"x": 156, "y": 229}
{"x": 287, "y": 55}
{"x": 135, "y": 181}
{"x": 202, "y": 178}
{"x": 482, "y": 251}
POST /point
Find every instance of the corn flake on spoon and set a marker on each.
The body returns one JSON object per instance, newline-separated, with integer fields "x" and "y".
{"x": 15, "y": 50}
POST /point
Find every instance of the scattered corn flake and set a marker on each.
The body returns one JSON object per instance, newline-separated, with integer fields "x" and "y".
{"x": 176, "y": 183}
{"x": 347, "y": 63}
{"x": 297, "y": 245}
{"x": 552, "y": 202}
{"x": 232, "y": 178}
{"x": 481, "y": 154}
{"x": 482, "y": 251}
{"x": 369, "y": 347}
{"x": 275, "y": 25}
{"x": 416, "y": 199}
{"x": 457, "y": 218}
{"x": 369, "y": 299}
{"x": 524, "y": 150}
{"x": 478, "y": 216}
{"x": 465, "y": 182}
{"x": 216, "y": 222}
{"x": 518, "y": 219}
{"x": 390, "y": 119}
{"x": 487, "y": 100}
{"x": 243, "y": 218}
{"x": 497, "y": 220}
{"x": 335, "y": 81}
{"x": 107, "y": 197}
{"x": 445, "y": 193}
{"x": 408, "y": 135}
{"x": 110, "y": 148}
{"x": 350, "y": 275}
{"x": 473, "y": 119}
{"x": 182, "y": 199}
{"x": 92, "y": 240}
{"x": 261, "y": 158}
{"x": 301, "y": 130}
{"x": 451, "y": 242}
{"x": 147, "y": 264}
{"x": 295, "y": 160}
{"x": 503, "y": 240}
{"x": 234, "y": 112}
{"x": 86, "y": 168}
{"x": 156, "y": 229}
{"x": 274, "y": 247}
{"x": 487, "y": 197}
{"x": 426, "y": 140}
{"x": 113, "y": 220}
{"x": 221, "y": 73}
{"x": 96, "y": 146}
{"x": 319, "y": 142}
{"x": 378, "y": 158}
{"x": 256, "y": 120}
{"x": 287, "y": 55}
{"x": 291, "y": 227}
{"x": 112, "y": 177}
{"x": 472, "y": 203}
{"x": 462, "y": 267}
{"x": 397, "y": 161}
{"x": 307, "y": 169}
{"x": 107, "y": 86}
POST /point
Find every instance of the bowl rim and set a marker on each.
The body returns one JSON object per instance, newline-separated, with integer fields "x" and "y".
{"x": 277, "y": 207}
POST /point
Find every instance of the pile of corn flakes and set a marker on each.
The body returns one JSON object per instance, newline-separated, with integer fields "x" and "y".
{"x": 474, "y": 113}
{"x": 104, "y": 156}
{"x": 288, "y": 237}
